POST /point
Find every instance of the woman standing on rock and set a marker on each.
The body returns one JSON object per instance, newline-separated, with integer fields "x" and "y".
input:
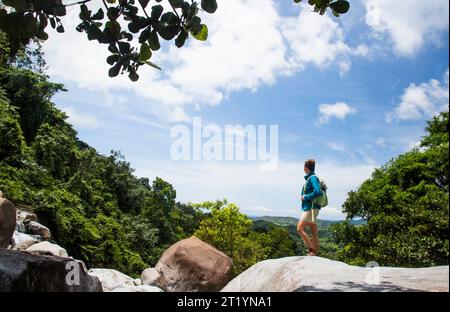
{"x": 310, "y": 190}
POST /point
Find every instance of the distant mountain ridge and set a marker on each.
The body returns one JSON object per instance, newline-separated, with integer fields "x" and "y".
{"x": 286, "y": 221}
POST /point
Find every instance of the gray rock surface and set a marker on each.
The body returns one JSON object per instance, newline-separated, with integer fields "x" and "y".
{"x": 54, "y": 249}
{"x": 36, "y": 228}
{"x": 25, "y": 216}
{"x": 111, "y": 279}
{"x": 7, "y": 222}
{"x": 24, "y": 245}
{"x": 141, "y": 288}
{"x": 137, "y": 282}
{"x": 25, "y": 272}
{"x": 319, "y": 274}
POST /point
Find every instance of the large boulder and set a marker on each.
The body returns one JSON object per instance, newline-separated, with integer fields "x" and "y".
{"x": 7, "y": 222}
{"x": 149, "y": 276}
{"x": 35, "y": 228}
{"x": 53, "y": 249}
{"x": 24, "y": 245}
{"x": 23, "y": 271}
{"x": 112, "y": 279}
{"x": 19, "y": 238}
{"x": 319, "y": 274}
{"x": 141, "y": 288}
{"x": 193, "y": 265}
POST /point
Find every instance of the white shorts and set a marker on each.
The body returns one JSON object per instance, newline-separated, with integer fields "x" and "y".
{"x": 310, "y": 215}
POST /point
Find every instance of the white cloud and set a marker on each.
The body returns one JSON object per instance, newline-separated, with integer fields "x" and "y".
{"x": 410, "y": 24}
{"x": 380, "y": 142}
{"x": 256, "y": 48}
{"x": 338, "y": 110}
{"x": 80, "y": 120}
{"x": 258, "y": 210}
{"x": 423, "y": 100}
{"x": 275, "y": 193}
{"x": 315, "y": 39}
{"x": 336, "y": 146}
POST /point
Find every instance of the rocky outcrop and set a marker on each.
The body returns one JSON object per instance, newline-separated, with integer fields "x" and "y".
{"x": 25, "y": 216}
{"x": 24, "y": 271}
{"x": 19, "y": 237}
{"x": 149, "y": 276}
{"x": 7, "y": 222}
{"x": 53, "y": 249}
{"x": 24, "y": 245}
{"x": 142, "y": 288}
{"x": 193, "y": 265}
{"x": 320, "y": 274}
{"x": 34, "y": 228}
{"x": 111, "y": 279}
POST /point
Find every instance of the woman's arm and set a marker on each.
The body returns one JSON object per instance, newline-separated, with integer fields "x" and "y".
{"x": 316, "y": 189}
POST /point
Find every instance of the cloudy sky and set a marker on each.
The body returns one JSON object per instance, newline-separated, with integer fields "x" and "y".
{"x": 351, "y": 92}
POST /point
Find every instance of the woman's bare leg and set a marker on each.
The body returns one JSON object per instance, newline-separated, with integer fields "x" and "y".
{"x": 301, "y": 231}
{"x": 315, "y": 237}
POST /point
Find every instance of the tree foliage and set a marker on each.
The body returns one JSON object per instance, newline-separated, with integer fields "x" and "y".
{"x": 231, "y": 232}
{"x": 93, "y": 204}
{"x": 405, "y": 203}
{"x": 119, "y": 23}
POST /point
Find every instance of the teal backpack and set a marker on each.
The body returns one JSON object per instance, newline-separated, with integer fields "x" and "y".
{"x": 321, "y": 200}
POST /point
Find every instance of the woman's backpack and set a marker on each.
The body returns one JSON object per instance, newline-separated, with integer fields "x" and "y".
{"x": 321, "y": 200}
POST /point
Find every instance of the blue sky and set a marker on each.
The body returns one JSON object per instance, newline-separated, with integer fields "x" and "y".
{"x": 351, "y": 92}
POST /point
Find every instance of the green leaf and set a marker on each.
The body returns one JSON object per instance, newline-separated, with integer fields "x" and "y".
{"x": 99, "y": 15}
{"x": 114, "y": 71}
{"x": 43, "y": 22}
{"x": 85, "y": 13}
{"x": 133, "y": 74}
{"x": 153, "y": 41}
{"x": 181, "y": 39}
{"x": 144, "y": 3}
{"x": 113, "y": 13}
{"x": 195, "y": 23}
{"x": 112, "y": 59}
{"x": 145, "y": 53}
{"x": 177, "y": 3}
{"x": 144, "y": 35}
{"x": 202, "y": 34}
{"x": 42, "y": 35}
{"x": 60, "y": 28}
{"x": 113, "y": 49}
{"x": 93, "y": 32}
{"x": 156, "y": 12}
{"x": 209, "y": 6}
{"x": 114, "y": 28}
{"x": 167, "y": 31}
{"x": 340, "y": 6}
{"x": 124, "y": 47}
{"x": 52, "y": 22}
{"x": 133, "y": 27}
